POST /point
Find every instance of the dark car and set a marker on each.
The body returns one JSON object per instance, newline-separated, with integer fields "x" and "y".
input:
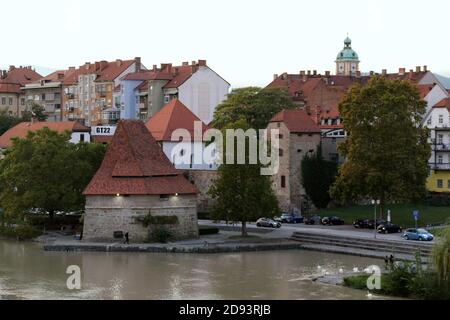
{"x": 312, "y": 220}
{"x": 332, "y": 221}
{"x": 389, "y": 228}
{"x": 361, "y": 223}
{"x": 267, "y": 223}
{"x": 371, "y": 225}
{"x": 289, "y": 218}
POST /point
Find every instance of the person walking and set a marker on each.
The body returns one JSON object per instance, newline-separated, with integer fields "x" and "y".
{"x": 127, "y": 238}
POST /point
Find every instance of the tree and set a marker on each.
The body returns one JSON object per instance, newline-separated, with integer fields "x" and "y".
{"x": 37, "y": 112}
{"x": 318, "y": 175}
{"x": 7, "y": 121}
{"x": 441, "y": 255}
{"x": 386, "y": 148}
{"x": 47, "y": 172}
{"x": 241, "y": 192}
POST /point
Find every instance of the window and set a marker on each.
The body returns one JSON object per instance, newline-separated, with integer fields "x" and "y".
{"x": 430, "y": 121}
{"x": 440, "y": 159}
{"x": 440, "y": 183}
{"x": 164, "y": 197}
{"x": 440, "y": 139}
{"x": 22, "y": 101}
{"x": 441, "y": 119}
{"x": 283, "y": 181}
{"x": 166, "y": 99}
{"x": 280, "y": 136}
{"x": 281, "y": 152}
{"x": 3, "y": 101}
{"x": 448, "y": 184}
{"x": 81, "y": 137}
{"x": 182, "y": 152}
{"x": 10, "y": 101}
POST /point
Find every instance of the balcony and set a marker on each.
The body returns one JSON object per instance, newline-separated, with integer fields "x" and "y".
{"x": 70, "y": 96}
{"x": 142, "y": 106}
{"x": 441, "y": 147}
{"x": 440, "y": 166}
{"x": 442, "y": 127}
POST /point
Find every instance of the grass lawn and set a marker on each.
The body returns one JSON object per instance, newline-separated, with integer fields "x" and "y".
{"x": 401, "y": 214}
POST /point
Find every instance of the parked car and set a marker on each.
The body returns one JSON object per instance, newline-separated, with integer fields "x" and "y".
{"x": 289, "y": 218}
{"x": 312, "y": 220}
{"x": 371, "y": 224}
{"x": 360, "y": 223}
{"x": 267, "y": 223}
{"x": 389, "y": 228}
{"x": 332, "y": 221}
{"x": 418, "y": 234}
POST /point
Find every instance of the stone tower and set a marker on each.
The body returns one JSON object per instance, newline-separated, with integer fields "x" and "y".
{"x": 347, "y": 61}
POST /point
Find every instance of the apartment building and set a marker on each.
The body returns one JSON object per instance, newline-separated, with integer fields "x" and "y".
{"x": 91, "y": 90}
{"x": 196, "y": 85}
{"x": 12, "y": 99}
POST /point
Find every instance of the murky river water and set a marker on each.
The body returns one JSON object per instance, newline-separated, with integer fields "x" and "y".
{"x": 27, "y": 272}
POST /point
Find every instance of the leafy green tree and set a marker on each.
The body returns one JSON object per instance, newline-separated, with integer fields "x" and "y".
{"x": 441, "y": 254}
{"x": 241, "y": 192}
{"x": 386, "y": 149}
{"x": 7, "y": 121}
{"x": 47, "y": 172}
{"x": 37, "y": 112}
{"x": 318, "y": 175}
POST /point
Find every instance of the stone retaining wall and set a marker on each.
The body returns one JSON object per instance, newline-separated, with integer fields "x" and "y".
{"x": 105, "y": 215}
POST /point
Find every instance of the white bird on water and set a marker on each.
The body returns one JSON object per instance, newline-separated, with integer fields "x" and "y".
{"x": 341, "y": 271}
{"x": 355, "y": 270}
{"x": 369, "y": 295}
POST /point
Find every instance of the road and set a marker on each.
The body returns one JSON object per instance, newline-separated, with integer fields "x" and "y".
{"x": 287, "y": 230}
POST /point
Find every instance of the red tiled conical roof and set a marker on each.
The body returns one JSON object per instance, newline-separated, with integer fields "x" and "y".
{"x": 135, "y": 164}
{"x": 175, "y": 115}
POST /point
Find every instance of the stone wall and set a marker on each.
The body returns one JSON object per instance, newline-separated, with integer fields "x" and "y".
{"x": 203, "y": 180}
{"x": 107, "y": 214}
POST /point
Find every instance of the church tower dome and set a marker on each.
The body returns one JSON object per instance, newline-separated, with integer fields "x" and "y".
{"x": 347, "y": 61}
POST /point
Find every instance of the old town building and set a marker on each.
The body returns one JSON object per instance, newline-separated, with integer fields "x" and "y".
{"x": 192, "y": 156}
{"x": 196, "y": 85}
{"x": 135, "y": 180}
{"x": 12, "y": 98}
{"x": 79, "y": 133}
{"x": 299, "y": 135}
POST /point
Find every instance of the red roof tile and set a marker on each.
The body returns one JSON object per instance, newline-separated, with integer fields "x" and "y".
{"x": 297, "y": 121}
{"x": 21, "y": 130}
{"x": 444, "y": 103}
{"x": 171, "y": 117}
{"x": 135, "y": 164}
{"x": 9, "y": 88}
{"x": 21, "y": 76}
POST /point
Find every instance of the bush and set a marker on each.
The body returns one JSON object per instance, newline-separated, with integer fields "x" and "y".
{"x": 204, "y": 216}
{"x": 20, "y": 232}
{"x": 205, "y": 230}
{"x": 438, "y": 199}
{"x": 357, "y": 282}
{"x": 55, "y": 224}
{"x": 161, "y": 234}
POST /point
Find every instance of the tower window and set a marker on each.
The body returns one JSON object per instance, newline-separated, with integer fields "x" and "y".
{"x": 283, "y": 181}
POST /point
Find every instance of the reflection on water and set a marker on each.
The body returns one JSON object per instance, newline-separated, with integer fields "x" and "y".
{"x": 27, "y": 272}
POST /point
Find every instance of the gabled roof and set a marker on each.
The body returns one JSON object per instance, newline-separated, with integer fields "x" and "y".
{"x": 135, "y": 164}
{"x": 175, "y": 115}
{"x": 297, "y": 121}
{"x": 22, "y": 76}
{"x": 444, "y": 103}
{"x": 21, "y": 130}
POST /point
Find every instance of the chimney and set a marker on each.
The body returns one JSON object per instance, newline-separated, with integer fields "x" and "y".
{"x": 103, "y": 65}
{"x": 315, "y": 72}
{"x": 372, "y": 73}
{"x": 402, "y": 71}
{"x": 309, "y": 73}
{"x": 384, "y": 72}
{"x": 425, "y": 68}
{"x": 202, "y": 63}
{"x": 87, "y": 65}
{"x": 275, "y": 77}
{"x": 194, "y": 63}
{"x": 71, "y": 68}
{"x": 327, "y": 74}
{"x": 11, "y": 68}
{"x": 60, "y": 76}
{"x": 97, "y": 65}
{"x": 185, "y": 64}
{"x": 155, "y": 67}
{"x": 119, "y": 62}
{"x": 418, "y": 69}
{"x": 138, "y": 63}
{"x": 284, "y": 76}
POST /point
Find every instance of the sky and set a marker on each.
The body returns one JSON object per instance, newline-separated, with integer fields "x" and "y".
{"x": 245, "y": 41}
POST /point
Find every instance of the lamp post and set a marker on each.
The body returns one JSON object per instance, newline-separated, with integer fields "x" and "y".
{"x": 375, "y": 203}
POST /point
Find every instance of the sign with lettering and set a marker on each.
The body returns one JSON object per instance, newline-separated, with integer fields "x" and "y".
{"x": 103, "y": 130}
{"x": 416, "y": 215}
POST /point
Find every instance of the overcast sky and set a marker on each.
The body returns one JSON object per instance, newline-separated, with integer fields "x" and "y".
{"x": 245, "y": 41}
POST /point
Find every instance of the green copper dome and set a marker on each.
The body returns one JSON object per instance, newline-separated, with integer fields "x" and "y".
{"x": 347, "y": 53}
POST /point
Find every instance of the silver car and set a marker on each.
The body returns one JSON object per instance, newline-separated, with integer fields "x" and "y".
{"x": 267, "y": 223}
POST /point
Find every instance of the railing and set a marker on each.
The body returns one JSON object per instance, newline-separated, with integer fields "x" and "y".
{"x": 440, "y": 166}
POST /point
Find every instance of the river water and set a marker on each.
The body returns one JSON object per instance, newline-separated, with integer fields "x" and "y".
{"x": 27, "y": 272}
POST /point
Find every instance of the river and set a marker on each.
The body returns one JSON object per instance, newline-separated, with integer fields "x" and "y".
{"x": 27, "y": 272}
